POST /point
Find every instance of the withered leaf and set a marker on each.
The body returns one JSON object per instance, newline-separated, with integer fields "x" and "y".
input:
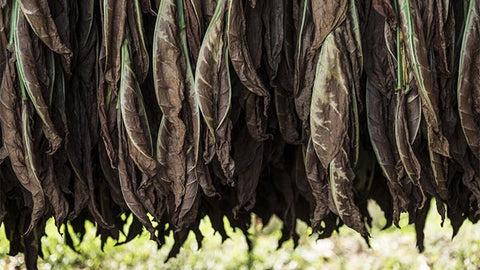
{"x": 326, "y": 15}
{"x": 341, "y": 178}
{"x": 404, "y": 146}
{"x": 38, "y": 16}
{"x": 317, "y": 179}
{"x": 468, "y": 79}
{"x": 12, "y": 139}
{"x": 213, "y": 89}
{"x": 330, "y": 99}
{"x": 169, "y": 81}
{"x": 28, "y": 77}
{"x": 239, "y": 52}
{"x": 412, "y": 27}
{"x": 114, "y": 20}
{"x": 141, "y": 150}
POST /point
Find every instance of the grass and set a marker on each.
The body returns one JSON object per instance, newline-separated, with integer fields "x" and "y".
{"x": 391, "y": 249}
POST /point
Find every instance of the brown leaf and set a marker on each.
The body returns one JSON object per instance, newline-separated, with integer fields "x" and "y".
{"x": 329, "y": 115}
{"x": 12, "y": 139}
{"x": 132, "y": 110}
{"x": 114, "y": 20}
{"x": 28, "y": 77}
{"x": 38, "y": 16}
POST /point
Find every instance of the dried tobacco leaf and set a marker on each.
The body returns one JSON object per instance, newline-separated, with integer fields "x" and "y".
{"x": 317, "y": 179}
{"x": 329, "y": 113}
{"x": 114, "y": 20}
{"x": 29, "y": 78}
{"x": 416, "y": 49}
{"x": 404, "y": 146}
{"x": 273, "y": 37}
{"x": 194, "y": 26}
{"x": 38, "y": 16}
{"x": 169, "y": 80}
{"x": 304, "y": 64}
{"x": 326, "y": 15}
{"x": 248, "y": 156}
{"x": 287, "y": 122}
{"x": 131, "y": 106}
{"x": 126, "y": 173}
{"x": 341, "y": 177}
{"x": 468, "y": 79}
{"x": 140, "y": 53}
{"x": 213, "y": 90}
{"x": 12, "y": 140}
{"x": 239, "y": 52}
{"x": 210, "y": 59}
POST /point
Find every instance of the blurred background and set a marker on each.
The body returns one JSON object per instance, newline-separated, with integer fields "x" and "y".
{"x": 390, "y": 249}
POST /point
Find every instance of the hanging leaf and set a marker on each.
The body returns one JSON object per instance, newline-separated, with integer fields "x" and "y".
{"x": 330, "y": 99}
{"x": 468, "y": 79}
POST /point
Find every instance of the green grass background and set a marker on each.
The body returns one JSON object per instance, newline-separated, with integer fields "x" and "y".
{"x": 391, "y": 249}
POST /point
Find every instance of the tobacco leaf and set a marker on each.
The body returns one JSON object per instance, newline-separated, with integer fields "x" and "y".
{"x": 304, "y": 63}
{"x": 318, "y": 20}
{"x": 383, "y": 147}
{"x": 55, "y": 195}
{"x": 254, "y": 29}
{"x": 239, "y": 52}
{"x": 60, "y": 12}
{"x": 468, "y": 79}
{"x": 169, "y": 81}
{"x": 126, "y": 173}
{"x": 248, "y": 156}
{"x": 329, "y": 113}
{"x": 12, "y": 140}
{"x": 223, "y": 123}
{"x": 137, "y": 38}
{"x": 254, "y": 117}
{"x": 412, "y": 30}
{"x": 132, "y": 110}
{"x": 413, "y": 112}
{"x": 114, "y": 20}
{"x": 404, "y": 146}
{"x": 210, "y": 59}
{"x": 190, "y": 203}
{"x": 273, "y": 20}
{"x": 341, "y": 178}
{"x": 193, "y": 113}
{"x": 380, "y": 87}
{"x": 317, "y": 179}
{"x": 196, "y": 173}
{"x": 194, "y": 26}
{"x": 213, "y": 90}
{"x": 105, "y": 99}
{"x": 26, "y": 66}
{"x": 287, "y": 122}
{"x": 353, "y": 45}
{"x": 443, "y": 40}
{"x": 384, "y": 8}
{"x": 38, "y": 171}
{"x": 38, "y": 16}
{"x": 326, "y": 15}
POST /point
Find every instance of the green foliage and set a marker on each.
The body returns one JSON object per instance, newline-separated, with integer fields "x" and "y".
{"x": 391, "y": 249}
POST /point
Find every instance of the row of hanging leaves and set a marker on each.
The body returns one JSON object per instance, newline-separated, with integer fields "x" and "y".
{"x": 175, "y": 110}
